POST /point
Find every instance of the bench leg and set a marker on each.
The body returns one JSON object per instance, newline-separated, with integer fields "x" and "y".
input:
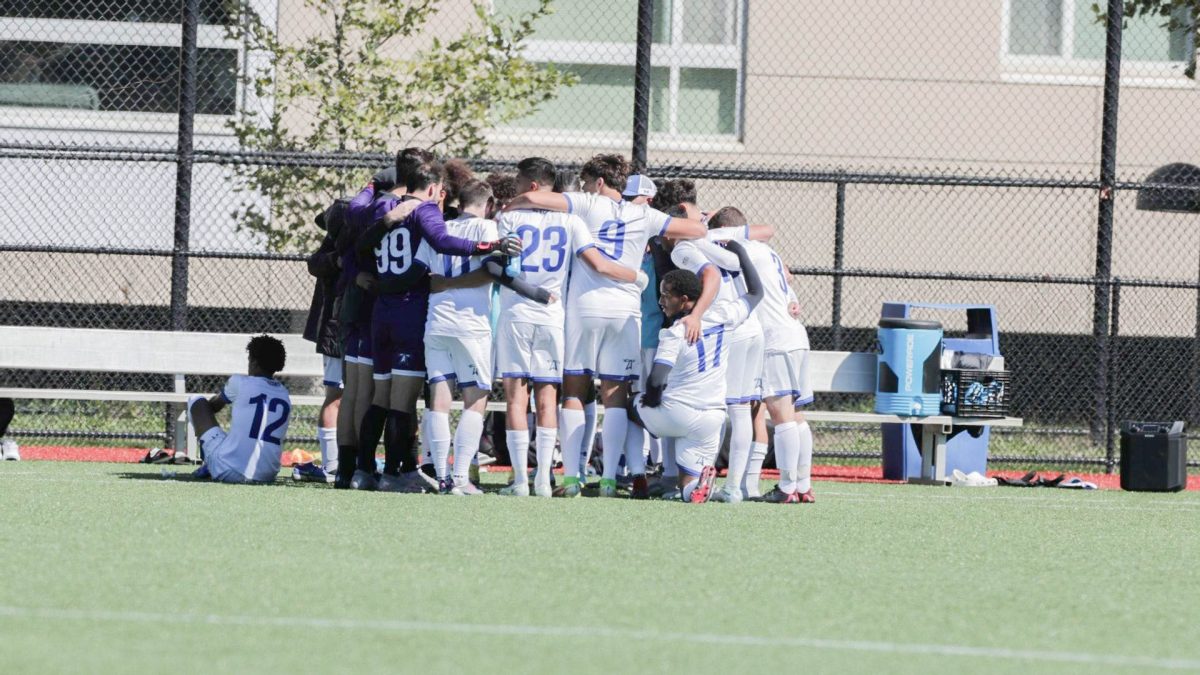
{"x": 933, "y": 456}
{"x": 185, "y": 439}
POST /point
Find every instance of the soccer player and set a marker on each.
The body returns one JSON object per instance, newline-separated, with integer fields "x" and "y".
{"x": 529, "y": 336}
{"x": 785, "y": 382}
{"x": 251, "y": 451}
{"x": 685, "y": 393}
{"x": 397, "y": 328}
{"x": 639, "y": 189}
{"x": 603, "y": 332}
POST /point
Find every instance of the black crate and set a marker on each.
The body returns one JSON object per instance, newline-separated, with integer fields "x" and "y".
{"x": 975, "y": 393}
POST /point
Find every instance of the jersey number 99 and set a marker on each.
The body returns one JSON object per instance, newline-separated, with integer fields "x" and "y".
{"x": 394, "y": 253}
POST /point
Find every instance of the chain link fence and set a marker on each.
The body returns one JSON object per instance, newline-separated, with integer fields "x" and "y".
{"x": 1018, "y": 153}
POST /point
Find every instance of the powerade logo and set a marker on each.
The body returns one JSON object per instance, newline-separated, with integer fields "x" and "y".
{"x": 909, "y": 348}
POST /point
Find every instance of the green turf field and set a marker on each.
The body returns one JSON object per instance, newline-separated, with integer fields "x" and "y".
{"x": 109, "y": 568}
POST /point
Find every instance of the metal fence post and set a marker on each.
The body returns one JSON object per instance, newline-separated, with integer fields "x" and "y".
{"x": 641, "y": 84}
{"x": 188, "y": 52}
{"x": 1110, "y": 453}
{"x": 1104, "y": 224}
{"x": 839, "y": 262}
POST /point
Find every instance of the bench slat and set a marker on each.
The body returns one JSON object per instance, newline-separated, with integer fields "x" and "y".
{"x": 168, "y": 397}
{"x": 842, "y": 372}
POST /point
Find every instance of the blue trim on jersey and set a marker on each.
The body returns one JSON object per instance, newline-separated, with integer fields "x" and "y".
{"x": 804, "y": 401}
{"x": 744, "y": 399}
{"x": 666, "y": 224}
{"x": 464, "y": 385}
{"x": 570, "y": 206}
{"x": 442, "y": 378}
{"x": 618, "y": 378}
{"x": 747, "y": 230}
{"x": 546, "y": 380}
{"x": 516, "y": 376}
{"x": 224, "y": 397}
{"x": 665, "y": 363}
{"x": 685, "y": 470}
{"x": 585, "y": 371}
{"x": 787, "y": 392}
{"x": 706, "y": 266}
{"x": 584, "y": 248}
{"x": 333, "y": 384}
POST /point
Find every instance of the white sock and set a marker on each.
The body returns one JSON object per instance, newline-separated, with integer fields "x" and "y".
{"x": 589, "y": 438}
{"x": 437, "y": 428}
{"x": 518, "y": 451}
{"x": 426, "y": 447}
{"x": 327, "y": 438}
{"x": 616, "y": 423}
{"x": 753, "y": 478}
{"x": 635, "y": 448}
{"x": 687, "y": 489}
{"x": 670, "y": 468}
{"x": 654, "y": 447}
{"x": 804, "y": 464}
{"x": 741, "y": 435}
{"x": 546, "y": 438}
{"x": 571, "y": 429}
{"x": 466, "y": 443}
{"x": 787, "y": 455}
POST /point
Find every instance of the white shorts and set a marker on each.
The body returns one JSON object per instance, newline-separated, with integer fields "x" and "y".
{"x": 333, "y": 372}
{"x": 697, "y": 433}
{"x": 743, "y": 375}
{"x": 786, "y": 374}
{"x": 529, "y": 351}
{"x": 647, "y": 366}
{"x": 465, "y": 359}
{"x": 609, "y": 348}
{"x": 220, "y": 456}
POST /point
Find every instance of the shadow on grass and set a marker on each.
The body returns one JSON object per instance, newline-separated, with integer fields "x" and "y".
{"x": 186, "y": 477}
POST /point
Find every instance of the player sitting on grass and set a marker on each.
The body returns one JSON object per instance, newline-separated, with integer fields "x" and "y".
{"x": 250, "y": 452}
{"x": 685, "y": 394}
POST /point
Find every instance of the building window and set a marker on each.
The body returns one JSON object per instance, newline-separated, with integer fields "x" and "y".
{"x": 696, "y": 79}
{"x": 120, "y": 56}
{"x": 1063, "y": 36}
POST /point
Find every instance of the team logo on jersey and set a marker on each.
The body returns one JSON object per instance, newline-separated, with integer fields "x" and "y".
{"x": 629, "y": 365}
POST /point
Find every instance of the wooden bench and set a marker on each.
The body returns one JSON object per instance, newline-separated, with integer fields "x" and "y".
{"x": 221, "y": 354}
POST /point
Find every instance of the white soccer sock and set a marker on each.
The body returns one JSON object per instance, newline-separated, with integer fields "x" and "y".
{"x": 753, "y": 477}
{"x": 741, "y": 435}
{"x": 518, "y": 451}
{"x": 327, "y": 438}
{"x": 466, "y": 443}
{"x": 804, "y": 463}
{"x": 787, "y": 454}
{"x": 546, "y": 438}
{"x": 670, "y": 468}
{"x": 654, "y": 447}
{"x": 687, "y": 489}
{"x": 616, "y": 423}
{"x": 571, "y": 428}
{"x": 589, "y": 438}
{"x": 635, "y": 449}
{"x": 437, "y": 427}
{"x": 426, "y": 446}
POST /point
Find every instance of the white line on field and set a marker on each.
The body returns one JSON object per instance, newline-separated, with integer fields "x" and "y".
{"x": 397, "y": 625}
{"x": 1080, "y": 499}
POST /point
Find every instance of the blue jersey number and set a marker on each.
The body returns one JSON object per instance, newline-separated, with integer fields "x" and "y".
{"x": 713, "y": 337}
{"x": 261, "y": 406}
{"x": 612, "y": 233}
{"x": 782, "y": 274}
{"x": 555, "y": 238}
{"x": 456, "y": 265}
{"x": 394, "y": 253}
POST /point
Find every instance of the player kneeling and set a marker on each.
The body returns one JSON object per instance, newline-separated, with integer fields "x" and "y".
{"x": 250, "y": 452}
{"x": 685, "y": 394}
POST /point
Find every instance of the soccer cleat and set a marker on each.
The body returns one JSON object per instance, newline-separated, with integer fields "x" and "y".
{"x": 202, "y": 473}
{"x": 390, "y": 483}
{"x": 517, "y": 489}
{"x": 640, "y": 488}
{"x": 9, "y": 450}
{"x": 675, "y": 495}
{"x": 778, "y": 496}
{"x": 608, "y": 487}
{"x": 704, "y": 485}
{"x": 364, "y": 481}
{"x": 728, "y": 495}
{"x": 427, "y": 476}
{"x": 445, "y": 485}
{"x": 311, "y": 473}
{"x": 807, "y": 497}
{"x": 543, "y": 490}
{"x": 465, "y": 488}
{"x": 569, "y": 488}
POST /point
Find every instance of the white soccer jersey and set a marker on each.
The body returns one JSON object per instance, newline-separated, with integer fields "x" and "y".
{"x": 696, "y": 255}
{"x": 781, "y": 332}
{"x": 459, "y": 312}
{"x": 697, "y": 376}
{"x": 550, "y": 242}
{"x": 621, "y": 230}
{"x": 260, "y": 409}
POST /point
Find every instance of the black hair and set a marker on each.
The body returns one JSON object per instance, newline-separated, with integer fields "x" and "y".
{"x": 409, "y": 160}
{"x": 428, "y": 173}
{"x": 504, "y": 187}
{"x": 566, "y": 180}
{"x": 682, "y": 282}
{"x": 537, "y": 169}
{"x": 612, "y": 168}
{"x": 384, "y": 180}
{"x": 677, "y": 211}
{"x": 727, "y": 216}
{"x": 474, "y": 192}
{"x": 674, "y": 192}
{"x": 268, "y": 353}
{"x": 458, "y": 174}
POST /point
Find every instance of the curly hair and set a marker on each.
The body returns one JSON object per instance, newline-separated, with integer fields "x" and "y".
{"x": 612, "y": 168}
{"x": 682, "y": 282}
{"x": 267, "y": 352}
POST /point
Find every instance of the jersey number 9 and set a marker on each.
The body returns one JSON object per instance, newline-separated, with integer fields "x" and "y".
{"x": 612, "y": 233}
{"x": 394, "y": 253}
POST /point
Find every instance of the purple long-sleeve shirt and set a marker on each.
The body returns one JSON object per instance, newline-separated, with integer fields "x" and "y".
{"x": 392, "y": 251}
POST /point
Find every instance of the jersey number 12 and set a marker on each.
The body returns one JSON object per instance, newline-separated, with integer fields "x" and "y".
{"x": 277, "y": 405}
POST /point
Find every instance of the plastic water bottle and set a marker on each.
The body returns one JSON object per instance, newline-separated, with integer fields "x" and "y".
{"x": 168, "y": 474}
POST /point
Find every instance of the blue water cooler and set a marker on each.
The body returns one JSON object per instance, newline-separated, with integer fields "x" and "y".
{"x": 901, "y": 442}
{"x": 910, "y": 359}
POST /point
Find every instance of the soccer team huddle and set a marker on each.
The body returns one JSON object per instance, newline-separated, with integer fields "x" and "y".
{"x": 596, "y": 287}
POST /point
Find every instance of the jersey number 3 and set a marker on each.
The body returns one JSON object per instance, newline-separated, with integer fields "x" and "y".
{"x": 277, "y": 405}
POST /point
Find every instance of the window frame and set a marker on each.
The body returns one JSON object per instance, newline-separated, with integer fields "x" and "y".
{"x": 673, "y": 57}
{"x": 151, "y": 34}
{"x": 1068, "y": 70}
